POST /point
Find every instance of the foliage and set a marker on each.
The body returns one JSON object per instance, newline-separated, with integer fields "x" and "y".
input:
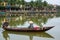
{"x": 50, "y": 7}
{"x": 34, "y": 4}
{"x": 38, "y": 3}
{"x": 45, "y": 3}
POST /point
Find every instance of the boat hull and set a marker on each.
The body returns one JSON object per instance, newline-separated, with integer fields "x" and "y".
{"x": 28, "y": 29}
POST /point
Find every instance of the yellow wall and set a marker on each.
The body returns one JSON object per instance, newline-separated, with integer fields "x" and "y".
{"x": 4, "y": 3}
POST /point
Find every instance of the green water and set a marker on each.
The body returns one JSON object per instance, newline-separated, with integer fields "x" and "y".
{"x": 23, "y": 21}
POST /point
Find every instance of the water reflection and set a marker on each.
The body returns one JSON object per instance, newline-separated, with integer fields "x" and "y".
{"x": 29, "y": 34}
{"x": 22, "y": 20}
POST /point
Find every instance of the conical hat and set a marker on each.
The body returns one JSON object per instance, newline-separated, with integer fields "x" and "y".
{"x": 30, "y": 21}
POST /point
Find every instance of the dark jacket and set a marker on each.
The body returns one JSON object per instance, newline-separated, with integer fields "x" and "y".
{"x": 31, "y": 26}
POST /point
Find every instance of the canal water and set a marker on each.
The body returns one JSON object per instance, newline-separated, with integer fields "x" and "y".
{"x": 23, "y": 21}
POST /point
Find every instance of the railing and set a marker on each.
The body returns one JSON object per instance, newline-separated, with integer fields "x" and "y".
{"x": 28, "y": 11}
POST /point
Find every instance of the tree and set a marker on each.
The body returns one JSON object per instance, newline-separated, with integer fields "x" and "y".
{"x": 50, "y": 7}
{"x": 11, "y": 2}
{"x": 32, "y": 3}
{"x": 1, "y": 1}
{"x": 22, "y": 2}
{"x": 45, "y": 4}
{"x": 39, "y": 3}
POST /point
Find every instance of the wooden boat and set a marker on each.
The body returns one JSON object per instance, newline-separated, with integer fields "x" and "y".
{"x": 28, "y": 29}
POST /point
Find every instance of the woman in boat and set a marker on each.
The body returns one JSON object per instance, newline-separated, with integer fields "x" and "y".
{"x": 31, "y": 24}
{"x": 5, "y": 24}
